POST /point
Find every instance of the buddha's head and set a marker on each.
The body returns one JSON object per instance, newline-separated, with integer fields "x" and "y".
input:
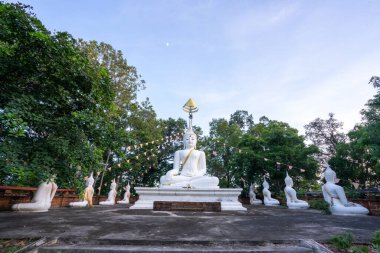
{"x": 90, "y": 180}
{"x": 330, "y": 175}
{"x": 113, "y": 185}
{"x": 288, "y": 180}
{"x": 190, "y": 139}
{"x": 265, "y": 184}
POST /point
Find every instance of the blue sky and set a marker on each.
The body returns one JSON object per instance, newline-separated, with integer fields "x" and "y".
{"x": 291, "y": 61}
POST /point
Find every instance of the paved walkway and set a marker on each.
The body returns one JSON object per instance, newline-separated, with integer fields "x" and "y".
{"x": 259, "y": 223}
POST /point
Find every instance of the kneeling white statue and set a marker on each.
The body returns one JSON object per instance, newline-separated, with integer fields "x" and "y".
{"x": 127, "y": 195}
{"x": 88, "y": 193}
{"x": 335, "y": 196}
{"x": 291, "y": 196}
{"x": 111, "y": 195}
{"x": 268, "y": 200}
{"x": 42, "y": 198}
{"x": 193, "y": 172}
{"x": 252, "y": 196}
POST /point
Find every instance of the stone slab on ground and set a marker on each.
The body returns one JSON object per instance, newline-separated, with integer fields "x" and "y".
{"x": 258, "y": 223}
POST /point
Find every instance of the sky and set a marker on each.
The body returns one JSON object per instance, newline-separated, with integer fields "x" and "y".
{"x": 292, "y": 61}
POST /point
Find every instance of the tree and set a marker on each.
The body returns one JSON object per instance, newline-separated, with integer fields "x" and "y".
{"x": 325, "y": 134}
{"x": 219, "y": 146}
{"x": 358, "y": 160}
{"x": 242, "y": 119}
{"x": 269, "y": 147}
{"x": 61, "y": 111}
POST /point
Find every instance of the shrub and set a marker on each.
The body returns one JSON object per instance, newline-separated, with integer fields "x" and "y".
{"x": 341, "y": 242}
{"x": 320, "y": 204}
{"x": 359, "y": 249}
{"x": 376, "y": 240}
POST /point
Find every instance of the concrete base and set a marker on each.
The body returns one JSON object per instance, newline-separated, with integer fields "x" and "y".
{"x": 228, "y": 198}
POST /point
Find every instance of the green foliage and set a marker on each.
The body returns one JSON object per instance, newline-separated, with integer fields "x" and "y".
{"x": 61, "y": 109}
{"x": 341, "y": 242}
{"x": 359, "y": 249}
{"x": 358, "y": 160}
{"x": 240, "y": 152}
{"x": 320, "y": 204}
{"x": 376, "y": 240}
{"x": 325, "y": 134}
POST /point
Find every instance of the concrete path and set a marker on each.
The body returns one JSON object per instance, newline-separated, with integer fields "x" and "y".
{"x": 258, "y": 223}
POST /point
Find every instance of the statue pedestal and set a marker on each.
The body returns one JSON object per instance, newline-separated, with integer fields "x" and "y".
{"x": 228, "y": 198}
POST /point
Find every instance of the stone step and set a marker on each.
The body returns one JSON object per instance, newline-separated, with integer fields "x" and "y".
{"x": 169, "y": 249}
{"x": 183, "y": 247}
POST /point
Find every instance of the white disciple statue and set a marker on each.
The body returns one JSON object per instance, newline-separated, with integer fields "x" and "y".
{"x": 88, "y": 193}
{"x": 111, "y": 195}
{"x": 334, "y": 195}
{"x": 252, "y": 196}
{"x": 291, "y": 196}
{"x": 268, "y": 200}
{"x": 127, "y": 195}
{"x": 42, "y": 198}
{"x": 189, "y": 167}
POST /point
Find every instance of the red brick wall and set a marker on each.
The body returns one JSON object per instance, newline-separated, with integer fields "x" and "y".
{"x": 7, "y": 200}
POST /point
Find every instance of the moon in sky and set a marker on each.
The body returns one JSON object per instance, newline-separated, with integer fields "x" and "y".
{"x": 167, "y": 44}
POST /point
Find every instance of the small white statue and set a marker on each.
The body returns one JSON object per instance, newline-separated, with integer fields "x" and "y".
{"x": 88, "y": 193}
{"x": 127, "y": 195}
{"x": 268, "y": 200}
{"x": 335, "y": 196}
{"x": 111, "y": 195}
{"x": 291, "y": 196}
{"x": 42, "y": 198}
{"x": 252, "y": 196}
{"x": 193, "y": 163}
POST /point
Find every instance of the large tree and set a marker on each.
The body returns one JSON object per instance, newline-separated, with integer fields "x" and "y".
{"x": 358, "y": 160}
{"x": 325, "y": 134}
{"x": 270, "y": 147}
{"x": 61, "y": 111}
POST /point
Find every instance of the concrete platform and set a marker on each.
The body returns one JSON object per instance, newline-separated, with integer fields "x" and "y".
{"x": 227, "y": 197}
{"x": 257, "y": 224}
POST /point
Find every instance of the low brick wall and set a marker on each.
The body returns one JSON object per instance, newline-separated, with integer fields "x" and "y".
{"x": 61, "y": 199}
{"x": 373, "y": 205}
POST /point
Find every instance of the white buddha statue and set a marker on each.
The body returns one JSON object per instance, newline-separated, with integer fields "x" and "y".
{"x": 111, "y": 195}
{"x": 189, "y": 167}
{"x": 42, "y": 198}
{"x": 335, "y": 196}
{"x": 268, "y": 200}
{"x": 291, "y": 196}
{"x": 127, "y": 195}
{"x": 252, "y": 196}
{"x": 88, "y": 193}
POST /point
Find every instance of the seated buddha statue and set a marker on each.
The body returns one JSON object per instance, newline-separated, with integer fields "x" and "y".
{"x": 291, "y": 196}
{"x": 335, "y": 196}
{"x": 268, "y": 200}
{"x": 189, "y": 167}
{"x": 42, "y": 198}
{"x": 127, "y": 195}
{"x": 252, "y": 196}
{"x": 111, "y": 195}
{"x": 88, "y": 193}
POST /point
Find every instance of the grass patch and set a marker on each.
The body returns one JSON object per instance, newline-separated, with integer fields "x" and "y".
{"x": 320, "y": 204}
{"x": 13, "y": 245}
{"x": 376, "y": 240}
{"x": 341, "y": 242}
